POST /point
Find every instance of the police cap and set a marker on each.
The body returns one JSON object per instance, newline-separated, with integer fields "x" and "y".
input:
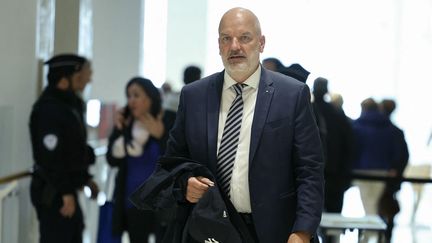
{"x": 63, "y": 65}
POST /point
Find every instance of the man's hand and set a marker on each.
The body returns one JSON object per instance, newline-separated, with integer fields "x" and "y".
{"x": 69, "y": 206}
{"x": 299, "y": 237}
{"x": 196, "y": 188}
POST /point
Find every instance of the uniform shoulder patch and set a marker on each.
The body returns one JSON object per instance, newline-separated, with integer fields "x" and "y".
{"x": 50, "y": 141}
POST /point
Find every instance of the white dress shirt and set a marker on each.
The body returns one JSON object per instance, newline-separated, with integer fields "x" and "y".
{"x": 239, "y": 190}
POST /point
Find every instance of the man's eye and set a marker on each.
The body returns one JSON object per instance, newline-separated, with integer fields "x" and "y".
{"x": 226, "y": 39}
{"x": 245, "y": 38}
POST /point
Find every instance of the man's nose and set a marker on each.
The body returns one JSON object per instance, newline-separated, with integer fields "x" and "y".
{"x": 235, "y": 44}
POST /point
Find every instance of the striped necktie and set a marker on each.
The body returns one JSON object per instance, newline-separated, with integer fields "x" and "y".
{"x": 230, "y": 138}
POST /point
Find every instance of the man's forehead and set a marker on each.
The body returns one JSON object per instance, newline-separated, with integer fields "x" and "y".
{"x": 235, "y": 32}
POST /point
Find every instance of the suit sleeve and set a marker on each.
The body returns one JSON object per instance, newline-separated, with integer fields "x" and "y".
{"x": 309, "y": 166}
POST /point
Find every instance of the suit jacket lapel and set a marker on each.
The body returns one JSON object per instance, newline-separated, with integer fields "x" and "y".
{"x": 262, "y": 106}
{"x": 213, "y": 107}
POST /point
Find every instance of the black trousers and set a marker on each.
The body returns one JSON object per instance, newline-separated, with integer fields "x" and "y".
{"x": 54, "y": 227}
{"x": 247, "y": 218}
{"x": 140, "y": 224}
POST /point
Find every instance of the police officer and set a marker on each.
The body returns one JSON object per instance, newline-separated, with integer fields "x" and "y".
{"x": 62, "y": 156}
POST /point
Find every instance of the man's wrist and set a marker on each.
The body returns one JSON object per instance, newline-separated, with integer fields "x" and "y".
{"x": 300, "y": 236}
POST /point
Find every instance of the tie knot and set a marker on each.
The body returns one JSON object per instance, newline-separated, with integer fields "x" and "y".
{"x": 238, "y": 88}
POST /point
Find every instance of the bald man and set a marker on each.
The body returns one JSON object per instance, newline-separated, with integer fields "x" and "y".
{"x": 273, "y": 173}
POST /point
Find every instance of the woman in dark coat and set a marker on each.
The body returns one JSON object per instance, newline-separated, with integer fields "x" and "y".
{"x": 134, "y": 147}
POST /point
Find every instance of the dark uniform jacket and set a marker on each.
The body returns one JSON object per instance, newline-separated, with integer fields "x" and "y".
{"x": 60, "y": 149}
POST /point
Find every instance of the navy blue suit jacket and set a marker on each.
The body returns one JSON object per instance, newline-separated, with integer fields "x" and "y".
{"x": 285, "y": 162}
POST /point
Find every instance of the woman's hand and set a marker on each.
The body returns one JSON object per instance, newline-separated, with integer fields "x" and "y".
{"x": 120, "y": 120}
{"x": 154, "y": 126}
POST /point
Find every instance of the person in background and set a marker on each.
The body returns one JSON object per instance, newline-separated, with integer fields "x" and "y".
{"x": 191, "y": 73}
{"x": 295, "y": 70}
{"x": 375, "y": 153}
{"x": 338, "y": 149}
{"x": 274, "y": 174}
{"x": 337, "y": 101}
{"x": 338, "y": 152}
{"x": 171, "y": 98}
{"x": 134, "y": 147}
{"x": 388, "y": 205}
{"x": 60, "y": 150}
{"x": 273, "y": 64}
{"x": 298, "y": 72}
{"x": 387, "y": 107}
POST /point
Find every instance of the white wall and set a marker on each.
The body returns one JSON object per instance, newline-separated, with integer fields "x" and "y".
{"x": 116, "y": 53}
{"x": 175, "y": 36}
{"x": 66, "y": 33}
{"x": 18, "y": 75}
{"x": 186, "y": 38}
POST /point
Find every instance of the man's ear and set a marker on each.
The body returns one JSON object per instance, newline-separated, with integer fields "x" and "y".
{"x": 262, "y": 43}
{"x": 63, "y": 84}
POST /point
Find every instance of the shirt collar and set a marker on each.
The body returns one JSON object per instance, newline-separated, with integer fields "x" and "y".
{"x": 252, "y": 81}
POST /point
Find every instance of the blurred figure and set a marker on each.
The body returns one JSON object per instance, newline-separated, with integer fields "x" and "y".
{"x": 298, "y": 72}
{"x": 387, "y": 106}
{"x": 376, "y": 153}
{"x": 338, "y": 147}
{"x": 375, "y": 149}
{"x": 166, "y": 88}
{"x": 171, "y": 98}
{"x": 273, "y": 64}
{"x": 337, "y": 143}
{"x": 295, "y": 70}
{"x": 134, "y": 147}
{"x": 388, "y": 204}
{"x": 337, "y": 101}
{"x": 191, "y": 74}
{"x": 169, "y": 104}
{"x": 62, "y": 156}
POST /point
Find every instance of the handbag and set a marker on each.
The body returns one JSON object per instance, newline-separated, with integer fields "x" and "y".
{"x": 105, "y": 233}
